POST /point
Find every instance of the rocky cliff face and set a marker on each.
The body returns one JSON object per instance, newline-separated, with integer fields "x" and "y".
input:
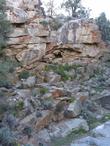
{"x": 79, "y": 32}
{"x": 27, "y": 42}
{"x": 31, "y": 38}
{"x": 77, "y": 38}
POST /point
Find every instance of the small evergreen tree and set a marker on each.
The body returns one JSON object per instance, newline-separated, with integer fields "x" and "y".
{"x": 104, "y": 26}
{"x": 4, "y": 25}
{"x": 75, "y": 9}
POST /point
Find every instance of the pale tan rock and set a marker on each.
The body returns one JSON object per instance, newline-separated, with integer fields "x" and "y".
{"x": 91, "y": 51}
{"x": 18, "y": 32}
{"x": 44, "y": 121}
{"x": 79, "y": 32}
{"x": 34, "y": 53}
{"x": 28, "y": 118}
{"x": 21, "y": 11}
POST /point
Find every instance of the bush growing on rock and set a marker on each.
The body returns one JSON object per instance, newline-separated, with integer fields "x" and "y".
{"x": 43, "y": 90}
{"x": 24, "y": 74}
{"x": 7, "y": 66}
{"x": 61, "y": 70}
{"x": 4, "y": 26}
{"x": 104, "y": 26}
{"x": 6, "y": 137}
{"x": 27, "y": 131}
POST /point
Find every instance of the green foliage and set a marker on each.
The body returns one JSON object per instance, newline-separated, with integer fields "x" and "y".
{"x": 19, "y": 105}
{"x": 61, "y": 70}
{"x": 6, "y": 137}
{"x": 69, "y": 138}
{"x": 4, "y": 107}
{"x": 104, "y": 26}
{"x": 75, "y": 8}
{"x": 48, "y": 103}
{"x": 27, "y": 131}
{"x": 24, "y": 74}
{"x": 7, "y": 66}
{"x": 44, "y": 23}
{"x": 43, "y": 90}
{"x": 72, "y": 99}
{"x": 55, "y": 23}
{"x": 4, "y": 26}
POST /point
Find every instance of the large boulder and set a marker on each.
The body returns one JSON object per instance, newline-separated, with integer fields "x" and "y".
{"x": 34, "y": 53}
{"x": 79, "y": 32}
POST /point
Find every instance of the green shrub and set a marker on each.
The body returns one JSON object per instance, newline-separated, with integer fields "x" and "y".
{"x": 48, "y": 103}
{"x": 55, "y": 24}
{"x": 43, "y": 90}
{"x": 4, "y": 107}
{"x": 24, "y": 74}
{"x": 4, "y": 81}
{"x": 19, "y": 105}
{"x": 104, "y": 26}
{"x": 69, "y": 138}
{"x": 6, "y": 137}
{"x": 27, "y": 131}
{"x": 44, "y": 23}
{"x": 61, "y": 70}
{"x": 4, "y": 26}
{"x": 7, "y": 66}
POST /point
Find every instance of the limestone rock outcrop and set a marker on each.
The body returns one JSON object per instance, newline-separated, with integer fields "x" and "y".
{"x": 32, "y": 39}
{"x": 27, "y": 42}
{"x": 79, "y": 32}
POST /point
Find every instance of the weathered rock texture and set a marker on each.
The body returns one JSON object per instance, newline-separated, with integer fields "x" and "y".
{"x": 32, "y": 39}
{"x": 27, "y": 42}
{"x": 77, "y": 38}
{"x": 79, "y": 32}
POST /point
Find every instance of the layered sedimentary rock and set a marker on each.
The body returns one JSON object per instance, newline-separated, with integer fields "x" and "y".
{"x": 31, "y": 38}
{"x": 76, "y": 39}
{"x": 27, "y": 41}
{"x": 79, "y": 32}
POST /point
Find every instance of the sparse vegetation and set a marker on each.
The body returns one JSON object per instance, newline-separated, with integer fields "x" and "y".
{"x": 27, "y": 131}
{"x": 61, "y": 70}
{"x": 4, "y": 26}
{"x": 75, "y": 9}
{"x": 44, "y": 23}
{"x": 24, "y": 74}
{"x": 69, "y": 138}
{"x": 104, "y": 26}
{"x": 72, "y": 99}
{"x": 6, "y": 137}
{"x": 19, "y": 105}
{"x": 43, "y": 90}
{"x": 7, "y": 66}
{"x": 4, "y": 107}
{"x": 55, "y": 24}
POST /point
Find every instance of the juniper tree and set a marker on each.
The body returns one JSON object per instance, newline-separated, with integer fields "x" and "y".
{"x": 104, "y": 26}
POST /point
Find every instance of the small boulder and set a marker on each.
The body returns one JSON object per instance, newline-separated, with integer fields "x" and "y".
{"x": 30, "y": 82}
{"x": 74, "y": 109}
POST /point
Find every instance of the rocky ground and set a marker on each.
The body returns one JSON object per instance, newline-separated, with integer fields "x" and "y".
{"x": 60, "y": 93}
{"x": 62, "y": 105}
